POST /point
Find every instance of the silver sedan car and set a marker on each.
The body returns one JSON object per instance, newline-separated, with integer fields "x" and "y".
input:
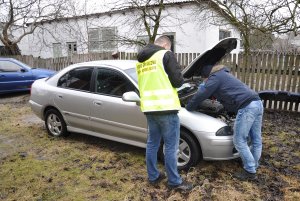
{"x": 101, "y": 98}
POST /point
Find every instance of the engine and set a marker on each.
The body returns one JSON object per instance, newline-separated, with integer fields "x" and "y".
{"x": 209, "y": 106}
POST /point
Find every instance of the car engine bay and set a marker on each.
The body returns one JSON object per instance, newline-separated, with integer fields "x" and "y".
{"x": 210, "y": 107}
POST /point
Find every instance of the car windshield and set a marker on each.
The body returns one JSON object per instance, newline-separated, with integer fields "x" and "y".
{"x": 132, "y": 73}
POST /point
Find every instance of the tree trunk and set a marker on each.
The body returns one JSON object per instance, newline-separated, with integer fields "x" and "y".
{"x": 12, "y": 49}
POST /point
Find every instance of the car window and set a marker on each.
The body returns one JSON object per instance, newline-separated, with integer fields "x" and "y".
{"x": 112, "y": 82}
{"x": 8, "y": 66}
{"x": 79, "y": 78}
{"x": 132, "y": 73}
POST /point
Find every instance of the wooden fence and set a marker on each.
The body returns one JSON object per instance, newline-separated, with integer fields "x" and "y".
{"x": 260, "y": 71}
{"x": 270, "y": 72}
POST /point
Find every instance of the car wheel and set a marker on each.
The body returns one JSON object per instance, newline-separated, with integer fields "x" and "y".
{"x": 55, "y": 123}
{"x": 189, "y": 152}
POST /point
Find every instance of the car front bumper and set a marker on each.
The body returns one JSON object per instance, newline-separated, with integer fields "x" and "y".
{"x": 216, "y": 147}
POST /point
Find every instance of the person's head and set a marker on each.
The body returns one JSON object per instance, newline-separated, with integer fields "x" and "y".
{"x": 205, "y": 71}
{"x": 163, "y": 41}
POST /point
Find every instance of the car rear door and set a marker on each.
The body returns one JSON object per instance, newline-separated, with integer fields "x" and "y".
{"x": 14, "y": 77}
{"x": 73, "y": 97}
{"x": 112, "y": 116}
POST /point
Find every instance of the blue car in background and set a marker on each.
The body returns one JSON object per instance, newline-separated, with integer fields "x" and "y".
{"x": 16, "y": 76}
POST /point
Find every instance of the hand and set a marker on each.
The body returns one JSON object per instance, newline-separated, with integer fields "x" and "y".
{"x": 213, "y": 99}
{"x": 201, "y": 86}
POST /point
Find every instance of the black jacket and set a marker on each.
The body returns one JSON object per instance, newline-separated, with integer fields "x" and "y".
{"x": 171, "y": 67}
{"x": 170, "y": 63}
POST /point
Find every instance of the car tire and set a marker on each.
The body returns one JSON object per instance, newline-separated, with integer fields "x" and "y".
{"x": 189, "y": 152}
{"x": 55, "y": 124}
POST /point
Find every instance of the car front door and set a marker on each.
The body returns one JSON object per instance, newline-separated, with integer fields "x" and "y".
{"x": 110, "y": 115}
{"x": 14, "y": 77}
{"x": 73, "y": 97}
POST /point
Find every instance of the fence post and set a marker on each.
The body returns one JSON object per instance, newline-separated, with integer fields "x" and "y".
{"x": 296, "y": 77}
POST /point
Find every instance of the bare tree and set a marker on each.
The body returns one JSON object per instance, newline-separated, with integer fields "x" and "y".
{"x": 19, "y": 18}
{"x": 281, "y": 16}
{"x": 147, "y": 18}
{"x": 126, "y": 19}
{"x": 254, "y": 19}
{"x": 286, "y": 44}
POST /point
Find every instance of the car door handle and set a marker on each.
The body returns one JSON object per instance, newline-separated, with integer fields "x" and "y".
{"x": 97, "y": 103}
{"x": 60, "y": 96}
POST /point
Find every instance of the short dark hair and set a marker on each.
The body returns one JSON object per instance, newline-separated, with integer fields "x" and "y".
{"x": 162, "y": 40}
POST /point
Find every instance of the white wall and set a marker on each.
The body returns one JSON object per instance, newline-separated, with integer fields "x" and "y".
{"x": 189, "y": 37}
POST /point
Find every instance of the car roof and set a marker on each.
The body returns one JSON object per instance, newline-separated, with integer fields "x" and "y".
{"x": 121, "y": 64}
{"x": 8, "y": 59}
{"x": 114, "y": 64}
{"x": 15, "y": 61}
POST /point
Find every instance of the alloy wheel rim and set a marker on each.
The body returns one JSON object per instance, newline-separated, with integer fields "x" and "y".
{"x": 54, "y": 124}
{"x": 183, "y": 153}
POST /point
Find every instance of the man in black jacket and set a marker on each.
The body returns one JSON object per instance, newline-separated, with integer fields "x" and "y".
{"x": 158, "y": 77}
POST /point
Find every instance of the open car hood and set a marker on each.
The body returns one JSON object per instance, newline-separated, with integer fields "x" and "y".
{"x": 210, "y": 57}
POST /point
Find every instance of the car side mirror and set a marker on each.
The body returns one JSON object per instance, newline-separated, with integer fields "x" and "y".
{"x": 131, "y": 96}
{"x": 23, "y": 70}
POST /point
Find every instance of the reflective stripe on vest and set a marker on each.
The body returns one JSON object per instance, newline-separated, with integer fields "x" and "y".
{"x": 156, "y": 90}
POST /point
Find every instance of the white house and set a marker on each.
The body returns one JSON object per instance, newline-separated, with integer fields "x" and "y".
{"x": 111, "y": 31}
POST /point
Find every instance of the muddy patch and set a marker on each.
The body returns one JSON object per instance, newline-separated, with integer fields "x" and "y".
{"x": 31, "y": 119}
{"x": 7, "y": 145}
{"x": 17, "y": 99}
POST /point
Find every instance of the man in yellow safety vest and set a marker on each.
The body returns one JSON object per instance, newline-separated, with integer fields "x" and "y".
{"x": 159, "y": 74}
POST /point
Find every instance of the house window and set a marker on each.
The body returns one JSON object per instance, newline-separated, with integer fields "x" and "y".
{"x": 224, "y": 34}
{"x": 57, "y": 52}
{"x": 171, "y": 36}
{"x": 102, "y": 39}
{"x": 143, "y": 39}
{"x": 72, "y": 48}
{"x": 94, "y": 43}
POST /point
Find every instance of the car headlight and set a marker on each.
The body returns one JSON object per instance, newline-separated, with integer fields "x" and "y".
{"x": 225, "y": 131}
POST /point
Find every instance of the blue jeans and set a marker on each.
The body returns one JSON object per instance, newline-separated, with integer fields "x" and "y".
{"x": 166, "y": 126}
{"x": 247, "y": 126}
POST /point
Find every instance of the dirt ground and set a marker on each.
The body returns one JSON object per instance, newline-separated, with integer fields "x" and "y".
{"x": 34, "y": 166}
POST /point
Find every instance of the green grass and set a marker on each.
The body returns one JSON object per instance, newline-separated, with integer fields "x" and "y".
{"x": 34, "y": 166}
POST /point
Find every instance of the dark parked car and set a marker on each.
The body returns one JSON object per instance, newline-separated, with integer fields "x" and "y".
{"x": 16, "y": 76}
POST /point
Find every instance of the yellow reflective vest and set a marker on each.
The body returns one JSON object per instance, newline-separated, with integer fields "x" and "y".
{"x": 156, "y": 90}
